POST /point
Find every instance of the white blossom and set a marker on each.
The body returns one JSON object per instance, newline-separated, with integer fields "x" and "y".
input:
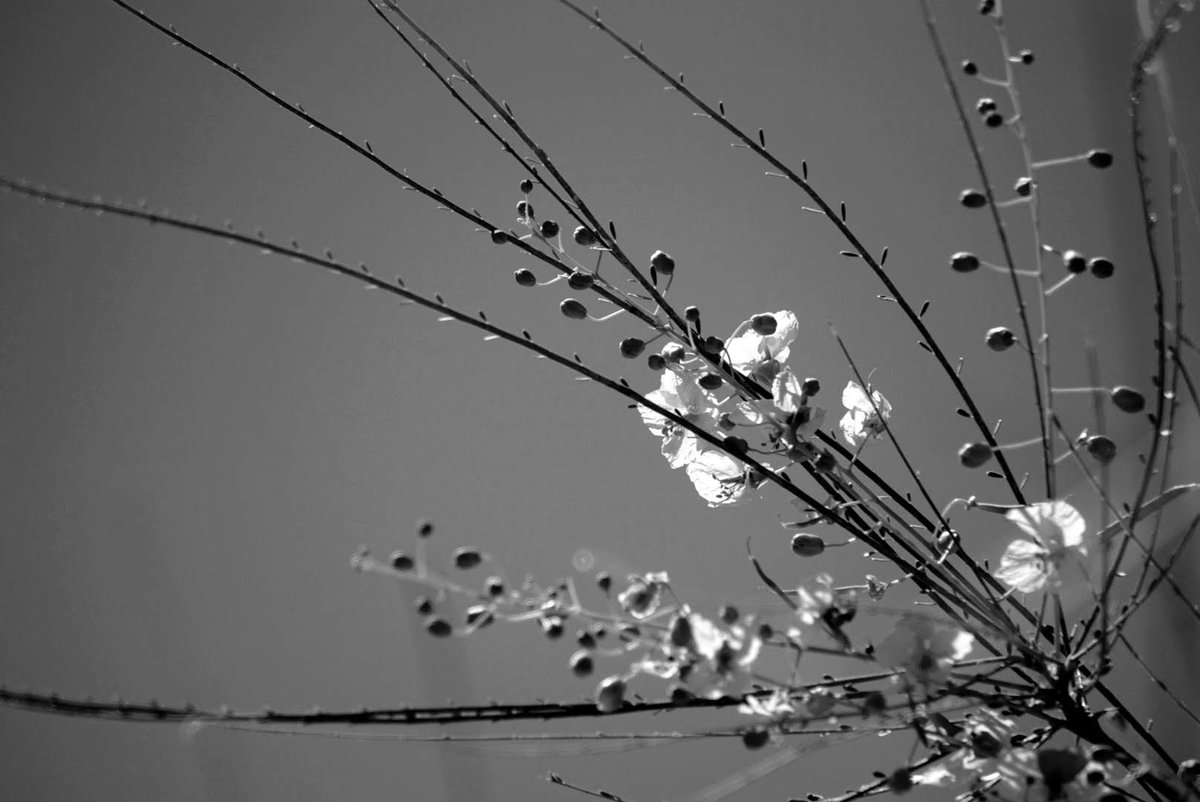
{"x": 924, "y": 648}
{"x": 1051, "y": 548}
{"x": 679, "y": 393}
{"x": 720, "y": 480}
{"x": 747, "y": 349}
{"x": 861, "y": 420}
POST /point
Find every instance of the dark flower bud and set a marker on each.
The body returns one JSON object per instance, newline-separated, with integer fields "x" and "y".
{"x": 401, "y": 561}
{"x": 1102, "y": 448}
{"x": 1128, "y": 399}
{"x": 710, "y": 381}
{"x": 525, "y": 277}
{"x": 424, "y": 527}
{"x": 970, "y": 67}
{"x": 725, "y": 422}
{"x": 552, "y": 627}
{"x": 656, "y": 362}
{"x": 526, "y": 186}
{"x": 810, "y": 387}
{"x": 580, "y": 280}
{"x": 900, "y": 781}
{"x": 963, "y": 262}
{"x": 1026, "y": 56}
{"x": 986, "y": 7}
{"x": 1100, "y": 159}
{"x": 824, "y": 462}
{"x": 423, "y": 605}
{"x": 691, "y": 314}
{"x": 494, "y": 586}
{"x": 993, "y": 119}
{"x": 736, "y": 444}
{"x": 756, "y": 737}
{"x": 972, "y": 455}
{"x": 499, "y": 237}
{"x": 662, "y": 262}
{"x": 972, "y": 199}
{"x": 632, "y": 347}
{"x": 766, "y": 371}
{"x": 585, "y": 639}
{"x": 1074, "y": 261}
{"x": 984, "y": 105}
{"x": 729, "y": 614}
{"x": 610, "y": 696}
{"x": 764, "y": 324}
{"x": 525, "y": 210}
{"x": 465, "y": 558}
{"x": 681, "y": 632}
{"x": 765, "y": 631}
{"x": 1000, "y": 339}
{"x": 604, "y": 581}
{"x": 1101, "y": 267}
{"x": 581, "y": 664}
{"x": 584, "y": 237}
{"x": 573, "y": 309}
{"x": 549, "y": 229}
{"x": 1189, "y": 771}
{"x": 874, "y": 704}
{"x": 713, "y": 345}
{"x": 806, "y": 545}
{"x": 1024, "y": 186}
{"x": 438, "y": 627}
{"x": 680, "y": 694}
{"x": 479, "y": 616}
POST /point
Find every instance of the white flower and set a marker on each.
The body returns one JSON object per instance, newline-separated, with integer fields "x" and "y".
{"x": 861, "y": 419}
{"x": 924, "y": 649}
{"x": 748, "y": 349}
{"x": 642, "y": 597}
{"x": 789, "y": 398}
{"x": 722, "y": 659}
{"x": 720, "y": 480}
{"x": 1052, "y": 549}
{"x": 679, "y": 393}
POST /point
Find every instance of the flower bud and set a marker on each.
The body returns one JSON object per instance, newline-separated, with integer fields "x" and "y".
{"x": 549, "y": 229}
{"x": 552, "y": 626}
{"x": 1101, "y": 267}
{"x": 984, "y": 105}
{"x": 725, "y": 422}
{"x": 526, "y": 186}
{"x": 969, "y": 67}
{"x": 656, "y": 362}
{"x": 1128, "y": 399}
{"x": 573, "y": 309}
{"x": 1074, "y": 261}
{"x": 525, "y": 210}
{"x": 993, "y": 119}
{"x": 810, "y": 387}
{"x": 610, "y": 696}
{"x": 632, "y": 347}
{"x": 874, "y": 704}
{"x": 494, "y": 586}
{"x": 963, "y": 262}
{"x": 710, "y": 381}
{"x": 824, "y": 462}
{"x": 736, "y": 444}
{"x": 1000, "y": 339}
{"x": 525, "y": 277}
{"x": 662, "y": 262}
{"x": 680, "y": 695}
{"x": 499, "y": 237}
{"x": 1100, "y": 159}
{"x": 423, "y": 605}
{"x": 764, "y": 324}
{"x": 580, "y": 280}
{"x": 401, "y": 561}
{"x": 585, "y": 639}
{"x": 729, "y": 614}
{"x": 681, "y": 632}
{"x": 438, "y": 627}
{"x": 691, "y": 314}
{"x": 1024, "y": 186}
{"x": 604, "y": 581}
{"x": 818, "y": 703}
{"x": 900, "y": 781}
{"x": 581, "y": 664}
{"x": 1025, "y": 56}
{"x": 766, "y": 371}
{"x": 756, "y": 737}
{"x": 713, "y": 345}
{"x": 1102, "y": 448}
{"x": 584, "y": 237}
{"x": 972, "y": 199}
{"x": 424, "y": 527}
{"x": 465, "y": 558}
{"x": 806, "y": 545}
{"x": 972, "y": 455}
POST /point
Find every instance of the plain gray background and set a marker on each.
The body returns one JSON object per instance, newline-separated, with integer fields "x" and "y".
{"x": 195, "y": 438}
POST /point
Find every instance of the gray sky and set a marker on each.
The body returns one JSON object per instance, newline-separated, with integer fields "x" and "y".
{"x": 195, "y": 438}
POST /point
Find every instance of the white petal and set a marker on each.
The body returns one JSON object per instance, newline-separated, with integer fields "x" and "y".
{"x": 854, "y": 397}
{"x": 718, "y": 478}
{"x": 787, "y": 390}
{"x": 1023, "y": 566}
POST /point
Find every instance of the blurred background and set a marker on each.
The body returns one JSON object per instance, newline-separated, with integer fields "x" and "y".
{"x": 195, "y": 438}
